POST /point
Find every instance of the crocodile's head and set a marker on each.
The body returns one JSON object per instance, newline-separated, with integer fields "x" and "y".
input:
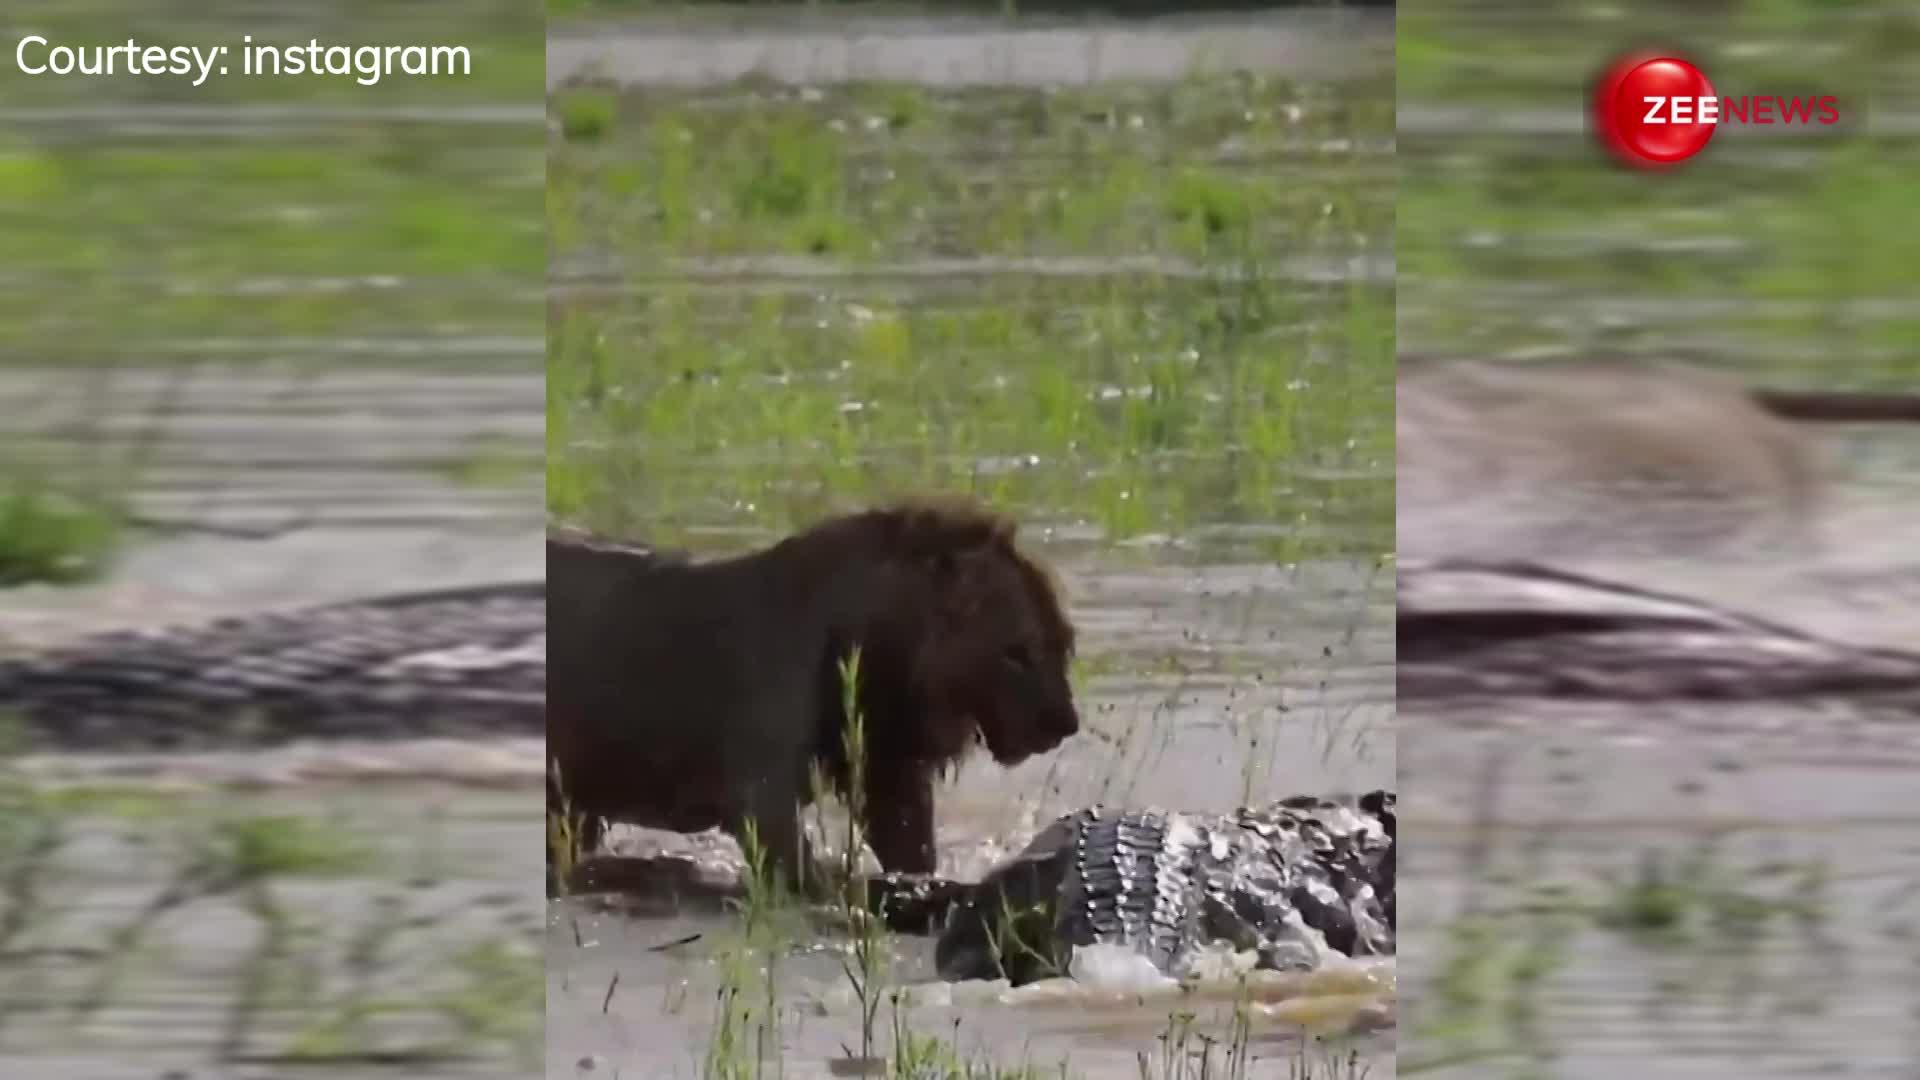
{"x": 991, "y": 936}
{"x": 1004, "y": 928}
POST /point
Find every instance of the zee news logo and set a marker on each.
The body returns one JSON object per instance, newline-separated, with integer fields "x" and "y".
{"x": 1656, "y": 110}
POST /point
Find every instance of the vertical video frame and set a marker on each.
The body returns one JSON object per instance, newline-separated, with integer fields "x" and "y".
{"x": 970, "y": 543}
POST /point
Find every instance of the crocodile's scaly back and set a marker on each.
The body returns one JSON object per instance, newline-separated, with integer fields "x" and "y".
{"x": 1288, "y": 881}
{"x": 458, "y": 661}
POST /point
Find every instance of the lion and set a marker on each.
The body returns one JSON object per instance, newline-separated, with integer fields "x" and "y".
{"x": 685, "y": 695}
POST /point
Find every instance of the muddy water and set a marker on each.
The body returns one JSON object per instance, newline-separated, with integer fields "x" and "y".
{"x": 1577, "y": 795}
{"x": 393, "y": 934}
{"x": 1506, "y": 802}
{"x": 263, "y": 490}
{"x": 1285, "y": 685}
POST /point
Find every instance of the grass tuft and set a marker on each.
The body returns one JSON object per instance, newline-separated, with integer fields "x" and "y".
{"x": 50, "y": 537}
{"x": 586, "y": 115}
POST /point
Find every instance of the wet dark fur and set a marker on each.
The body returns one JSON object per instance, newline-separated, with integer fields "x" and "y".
{"x": 686, "y": 695}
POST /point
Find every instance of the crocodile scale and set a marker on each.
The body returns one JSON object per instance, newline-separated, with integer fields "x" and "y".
{"x": 464, "y": 662}
{"x": 1287, "y": 881}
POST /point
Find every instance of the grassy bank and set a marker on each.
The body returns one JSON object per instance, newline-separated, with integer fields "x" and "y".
{"x": 145, "y": 215}
{"x": 1129, "y": 306}
{"x": 292, "y": 223}
{"x": 1787, "y": 254}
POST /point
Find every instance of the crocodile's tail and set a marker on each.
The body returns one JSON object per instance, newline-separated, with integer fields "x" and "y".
{"x": 448, "y": 662}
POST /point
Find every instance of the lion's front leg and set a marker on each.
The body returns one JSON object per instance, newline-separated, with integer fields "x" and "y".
{"x": 900, "y": 819}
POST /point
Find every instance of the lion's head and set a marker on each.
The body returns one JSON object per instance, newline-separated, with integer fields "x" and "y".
{"x": 964, "y": 634}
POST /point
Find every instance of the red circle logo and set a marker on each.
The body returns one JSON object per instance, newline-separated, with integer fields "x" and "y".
{"x": 1654, "y": 111}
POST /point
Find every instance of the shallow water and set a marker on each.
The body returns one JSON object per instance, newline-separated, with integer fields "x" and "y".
{"x": 262, "y": 490}
{"x": 267, "y": 491}
{"x": 660, "y": 1006}
{"x": 1286, "y": 687}
{"x": 1548, "y": 795}
{"x": 210, "y": 979}
{"x": 1501, "y": 799}
{"x": 1791, "y": 953}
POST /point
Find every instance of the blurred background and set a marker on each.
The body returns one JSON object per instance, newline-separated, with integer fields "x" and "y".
{"x": 1129, "y": 279}
{"x": 1650, "y": 890}
{"x": 267, "y": 342}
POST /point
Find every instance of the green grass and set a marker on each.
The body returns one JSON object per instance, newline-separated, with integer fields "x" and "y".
{"x": 49, "y": 535}
{"x": 1759, "y": 253}
{"x": 586, "y": 115}
{"x": 292, "y": 223}
{"x": 222, "y": 236}
{"x": 133, "y": 245}
{"x": 1080, "y": 300}
{"x": 276, "y": 221}
{"x": 505, "y": 38}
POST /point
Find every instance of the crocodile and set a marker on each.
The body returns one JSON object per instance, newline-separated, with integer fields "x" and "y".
{"x": 1471, "y": 630}
{"x": 1288, "y": 881}
{"x": 464, "y": 661}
